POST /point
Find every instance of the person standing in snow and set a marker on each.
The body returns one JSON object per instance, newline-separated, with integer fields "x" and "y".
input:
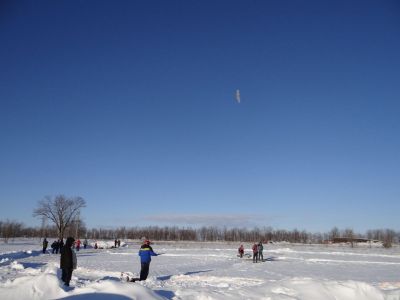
{"x": 57, "y": 246}
{"x": 67, "y": 261}
{"x": 241, "y": 251}
{"x": 54, "y": 245}
{"x": 260, "y": 251}
{"x": 255, "y": 253}
{"x": 60, "y": 244}
{"x": 85, "y": 243}
{"x": 78, "y": 244}
{"x": 145, "y": 253}
{"x": 45, "y": 243}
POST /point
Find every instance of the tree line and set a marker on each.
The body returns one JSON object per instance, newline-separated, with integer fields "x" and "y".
{"x": 64, "y": 216}
{"x": 12, "y": 229}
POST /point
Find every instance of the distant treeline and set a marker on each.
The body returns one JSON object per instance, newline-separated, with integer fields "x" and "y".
{"x": 11, "y": 229}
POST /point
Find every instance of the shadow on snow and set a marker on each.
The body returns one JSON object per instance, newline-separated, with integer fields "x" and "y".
{"x": 97, "y": 296}
{"x": 166, "y": 294}
{"x": 32, "y": 265}
{"x": 8, "y": 258}
{"x": 167, "y": 277}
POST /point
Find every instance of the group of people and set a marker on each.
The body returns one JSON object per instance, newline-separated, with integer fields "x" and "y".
{"x": 68, "y": 261}
{"x": 57, "y": 245}
{"x": 117, "y": 243}
{"x": 257, "y": 251}
{"x": 78, "y": 243}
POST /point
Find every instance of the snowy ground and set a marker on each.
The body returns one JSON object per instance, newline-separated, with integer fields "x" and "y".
{"x": 205, "y": 271}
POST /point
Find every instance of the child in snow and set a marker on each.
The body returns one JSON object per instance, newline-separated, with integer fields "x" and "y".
{"x": 241, "y": 251}
{"x": 67, "y": 261}
{"x": 78, "y": 244}
{"x": 255, "y": 253}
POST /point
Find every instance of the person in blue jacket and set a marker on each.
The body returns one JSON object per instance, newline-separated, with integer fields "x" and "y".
{"x": 145, "y": 253}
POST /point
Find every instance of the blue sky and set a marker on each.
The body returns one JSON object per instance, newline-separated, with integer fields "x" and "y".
{"x": 130, "y": 105}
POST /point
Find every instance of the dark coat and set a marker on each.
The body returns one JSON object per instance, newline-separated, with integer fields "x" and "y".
{"x": 66, "y": 261}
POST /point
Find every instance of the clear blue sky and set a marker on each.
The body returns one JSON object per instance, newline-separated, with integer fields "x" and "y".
{"x": 130, "y": 105}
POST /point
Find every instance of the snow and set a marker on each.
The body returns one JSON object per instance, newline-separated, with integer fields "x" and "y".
{"x": 194, "y": 270}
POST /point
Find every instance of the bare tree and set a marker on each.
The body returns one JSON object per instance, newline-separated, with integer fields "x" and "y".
{"x": 349, "y": 234}
{"x": 60, "y": 210}
{"x": 388, "y": 238}
{"x": 334, "y": 233}
{"x": 10, "y": 229}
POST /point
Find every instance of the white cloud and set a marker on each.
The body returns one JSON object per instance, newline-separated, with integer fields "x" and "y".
{"x": 229, "y": 220}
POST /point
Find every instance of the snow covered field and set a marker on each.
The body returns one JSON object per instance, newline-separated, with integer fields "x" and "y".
{"x": 205, "y": 271}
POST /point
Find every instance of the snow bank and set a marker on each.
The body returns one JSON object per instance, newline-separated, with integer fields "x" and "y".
{"x": 197, "y": 271}
{"x": 106, "y": 244}
{"x": 220, "y": 288}
{"x": 47, "y": 285}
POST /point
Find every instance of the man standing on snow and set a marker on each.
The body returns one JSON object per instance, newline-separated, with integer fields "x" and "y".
{"x": 45, "y": 243}
{"x": 145, "y": 253}
{"x": 67, "y": 261}
{"x": 260, "y": 251}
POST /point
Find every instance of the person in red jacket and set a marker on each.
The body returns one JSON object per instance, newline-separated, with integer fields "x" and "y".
{"x": 255, "y": 253}
{"x": 78, "y": 244}
{"x": 241, "y": 251}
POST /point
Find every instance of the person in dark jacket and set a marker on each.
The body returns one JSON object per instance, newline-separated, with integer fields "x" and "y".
{"x": 57, "y": 246}
{"x": 54, "y": 246}
{"x": 260, "y": 248}
{"x": 45, "y": 244}
{"x": 60, "y": 244}
{"x": 67, "y": 261}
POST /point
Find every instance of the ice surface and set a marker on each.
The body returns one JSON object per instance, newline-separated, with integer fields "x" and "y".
{"x": 190, "y": 270}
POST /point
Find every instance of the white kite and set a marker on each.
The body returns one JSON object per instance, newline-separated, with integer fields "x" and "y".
{"x": 237, "y": 96}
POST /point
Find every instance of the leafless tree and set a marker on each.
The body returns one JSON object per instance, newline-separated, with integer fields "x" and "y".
{"x": 60, "y": 210}
{"x": 10, "y": 229}
{"x": 349, "y": 233}
{"x": 388, "y": 238}
{"x": 334, "y": 233}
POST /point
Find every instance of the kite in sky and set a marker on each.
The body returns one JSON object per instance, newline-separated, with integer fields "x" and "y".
{"x": 237, "y": 96}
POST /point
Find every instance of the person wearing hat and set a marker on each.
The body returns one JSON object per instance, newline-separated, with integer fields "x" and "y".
{"x": 145, "y": 253}
{"x": 67, "y": 261}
